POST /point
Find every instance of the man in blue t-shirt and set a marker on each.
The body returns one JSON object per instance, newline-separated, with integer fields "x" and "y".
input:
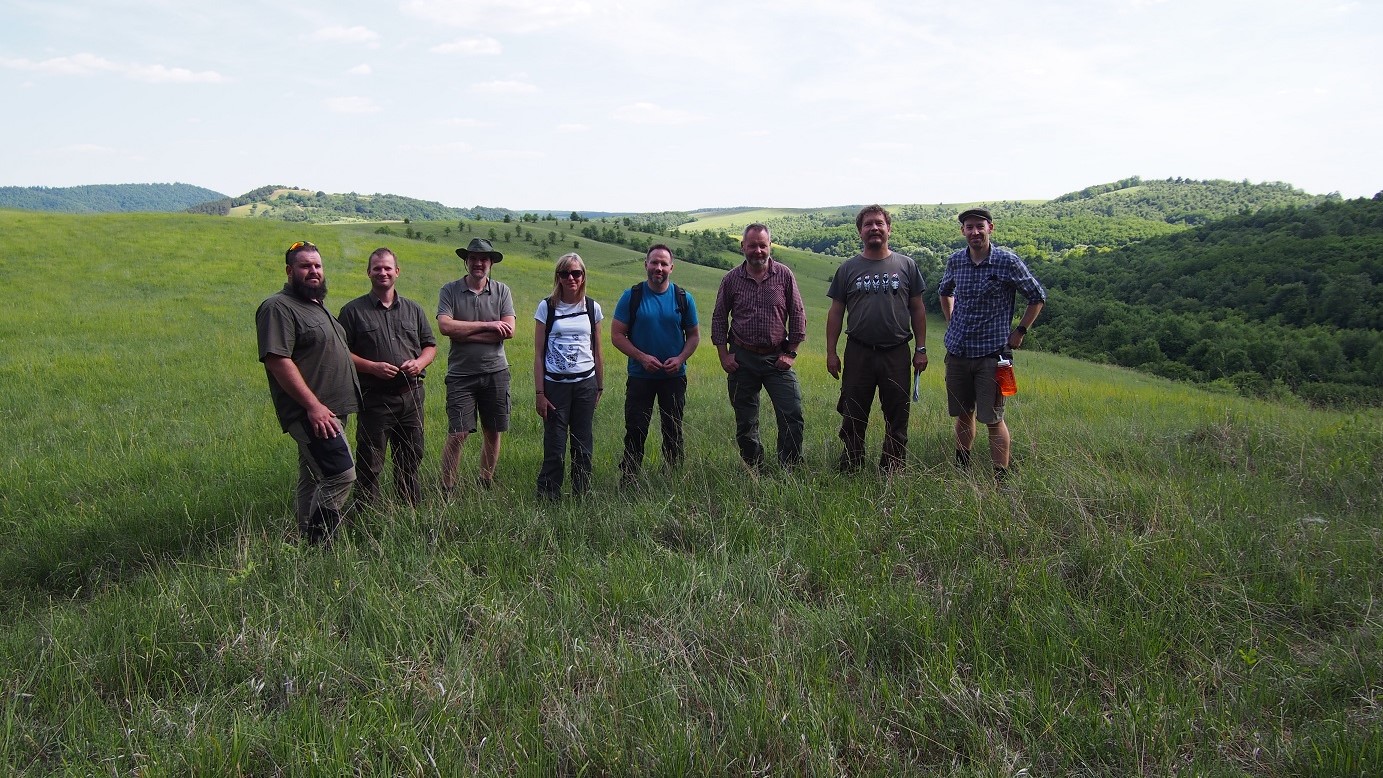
{"x": 655, "y": 326}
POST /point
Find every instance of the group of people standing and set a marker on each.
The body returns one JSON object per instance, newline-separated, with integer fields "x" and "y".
{"x": 372, "y": 358}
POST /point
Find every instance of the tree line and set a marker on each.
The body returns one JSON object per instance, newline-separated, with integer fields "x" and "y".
{"x": 1285, "y": 300}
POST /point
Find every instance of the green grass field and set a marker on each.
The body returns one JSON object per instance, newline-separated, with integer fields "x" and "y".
{"x": 1174, "y": 582}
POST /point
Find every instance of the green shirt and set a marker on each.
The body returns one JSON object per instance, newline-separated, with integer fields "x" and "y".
{"x": 303, "y": 331}
{"x": 395, "y": 334}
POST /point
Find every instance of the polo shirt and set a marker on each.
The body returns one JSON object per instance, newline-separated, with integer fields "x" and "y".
{"x": 492, "y": 303}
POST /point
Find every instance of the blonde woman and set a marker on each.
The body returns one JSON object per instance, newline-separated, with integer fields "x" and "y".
{"x": 569, "y": 374}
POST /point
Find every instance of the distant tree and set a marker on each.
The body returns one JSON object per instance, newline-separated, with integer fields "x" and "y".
{"x": 493, "y": 235}
{"x": 576, "y": 244}
{"x": 507, "y": 219}
{"x": 506, "y": 236}
{"x": 446, "y": 232}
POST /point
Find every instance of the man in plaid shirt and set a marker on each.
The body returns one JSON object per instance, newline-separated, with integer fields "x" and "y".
{"x": 758, "y": 348}
{"x": 977, "y": 298}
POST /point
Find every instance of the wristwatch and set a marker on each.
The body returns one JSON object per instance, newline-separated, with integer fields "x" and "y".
{"x": 1021, "y": 329}
{"x": 792, "y": 354}
{"x": 921, "y": 349}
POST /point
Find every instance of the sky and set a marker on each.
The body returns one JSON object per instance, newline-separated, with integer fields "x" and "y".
{"x": 649, "y": 105}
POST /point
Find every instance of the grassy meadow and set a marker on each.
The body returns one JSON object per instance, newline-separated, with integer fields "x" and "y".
{"x": 1173, "y": 581}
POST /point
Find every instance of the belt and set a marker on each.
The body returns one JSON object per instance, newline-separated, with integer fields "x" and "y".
{"x": 873, "y": 347}
{"x": 762, "y": 350}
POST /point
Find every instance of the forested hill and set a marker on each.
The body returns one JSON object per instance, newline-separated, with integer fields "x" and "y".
{"x": 1101, "y": 216}
{"x": 1175, "y": 200}
{"x": 283, "y": 203}
{"x": 1287, "y": 299}
{"x": 106, "y": 198}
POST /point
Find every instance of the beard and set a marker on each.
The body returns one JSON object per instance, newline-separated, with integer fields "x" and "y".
{"x": 308, "y": 291}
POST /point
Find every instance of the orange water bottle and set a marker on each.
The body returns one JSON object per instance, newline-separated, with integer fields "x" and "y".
{"x": 1008, "y": 385}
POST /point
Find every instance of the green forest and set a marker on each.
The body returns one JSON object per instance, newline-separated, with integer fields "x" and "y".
{"x": 1100, "y": 217}
{"x": 1285, "y": 300}
{"x": 106, "y": 198}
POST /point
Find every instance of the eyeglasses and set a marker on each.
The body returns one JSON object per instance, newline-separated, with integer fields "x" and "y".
{"x": 571, "y": 273}
{"x": 302, "y": 244}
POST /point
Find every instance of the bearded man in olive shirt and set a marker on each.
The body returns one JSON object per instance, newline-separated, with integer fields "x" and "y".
{"x": 391, "y": 343}
{"x": 313, "y": 385}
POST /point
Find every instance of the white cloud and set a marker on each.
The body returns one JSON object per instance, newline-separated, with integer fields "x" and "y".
{"x": 504, "y": 87}
{"x": 470, "y": 47}
{"x": 573, "y": 127}
{"x": 518, "y": 16}
{"x": 463, "y": 121}
{"x": 514, "y": 154}
{"x": 650, "y": 113}
{"x": 361, "y": 70}
{"x": 353, "y": 35}
{"x": 351, "y": 105}
{"x": 85, "y": 64}
{"x": 437, "y": 149}
{"x": 886, "y": 146}
{"x": 88, "y": 148}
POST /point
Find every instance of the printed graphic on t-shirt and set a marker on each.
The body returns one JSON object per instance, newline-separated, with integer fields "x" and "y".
{"x": 878, "y": 283}
{"x": 563, "y": 354}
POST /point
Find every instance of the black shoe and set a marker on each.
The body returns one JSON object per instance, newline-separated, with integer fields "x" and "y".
{"x": 962, "y": 459}
{"x": 1000, "y": 475}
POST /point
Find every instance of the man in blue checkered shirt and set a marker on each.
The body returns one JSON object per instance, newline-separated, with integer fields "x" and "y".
{"x": 977, "y": 298}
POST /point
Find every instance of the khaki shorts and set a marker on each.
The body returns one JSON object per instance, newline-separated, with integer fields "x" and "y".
{"x": 485, "y": 395}
{"x": 972, "y": 388}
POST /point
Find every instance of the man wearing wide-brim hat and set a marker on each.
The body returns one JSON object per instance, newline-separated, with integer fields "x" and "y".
{"x": 477, "y": 313}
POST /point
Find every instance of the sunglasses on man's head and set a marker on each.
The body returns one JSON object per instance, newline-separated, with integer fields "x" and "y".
{"x": 302, "y": 244}
{"x": 571, "y": 273}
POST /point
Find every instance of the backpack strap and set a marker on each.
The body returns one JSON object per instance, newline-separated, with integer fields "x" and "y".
{"x": 590, "y": 314}
{"x": 547, "y": 330}
{"x": 682, "y": 308}
{"x": 635, "y": 299}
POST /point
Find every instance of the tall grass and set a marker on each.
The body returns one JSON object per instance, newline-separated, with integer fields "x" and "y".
{"x": 1173, "y": 581}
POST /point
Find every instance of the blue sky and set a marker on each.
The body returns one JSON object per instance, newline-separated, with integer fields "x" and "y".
{"x": 628, "y": 105}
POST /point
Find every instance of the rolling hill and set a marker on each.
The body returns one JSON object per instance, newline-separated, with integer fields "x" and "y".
{"x": 106, "y": 198}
